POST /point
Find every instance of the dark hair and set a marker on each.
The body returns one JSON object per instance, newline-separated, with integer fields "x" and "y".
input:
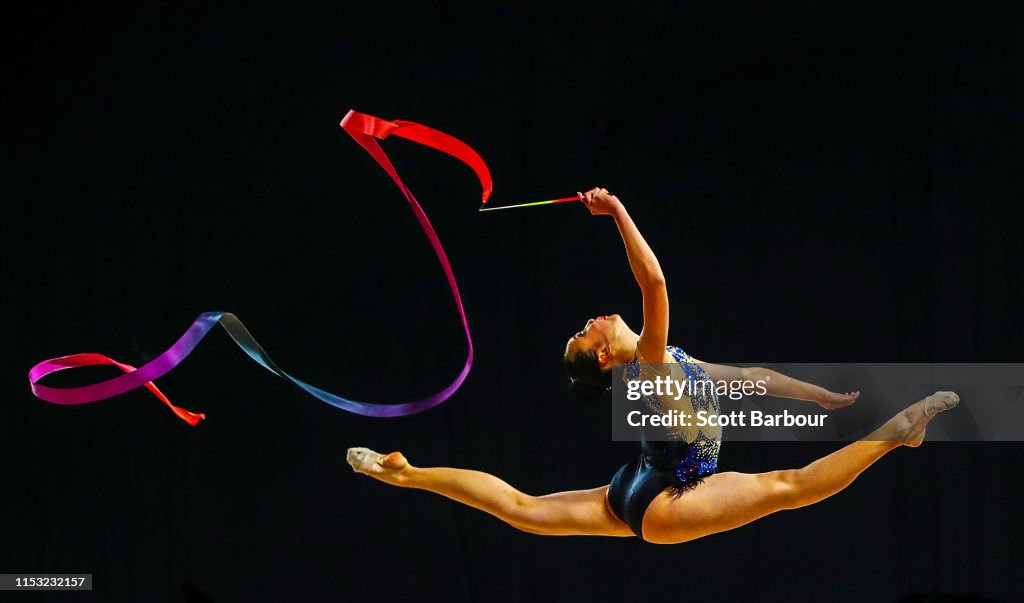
{"x": 585, "y": 370}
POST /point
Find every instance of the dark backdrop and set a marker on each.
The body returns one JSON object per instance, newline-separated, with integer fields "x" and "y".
{"x": 821, "y": 184}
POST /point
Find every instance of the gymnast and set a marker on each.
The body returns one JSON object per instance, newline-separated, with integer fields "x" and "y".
{"x": 671, "y": 492}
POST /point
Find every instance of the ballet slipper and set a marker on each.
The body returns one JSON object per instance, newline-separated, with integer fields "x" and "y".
{"x": 364, "y": 460}
{"x": 940, "y": 402}
{"x": 933, "y": 405}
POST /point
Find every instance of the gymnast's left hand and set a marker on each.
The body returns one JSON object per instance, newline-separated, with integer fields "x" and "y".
{"x": 600, "y": 202}
{"x": 834, "y": 400}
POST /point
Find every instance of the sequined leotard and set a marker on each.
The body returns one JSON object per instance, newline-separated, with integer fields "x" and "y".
{"x": 670, "y": 458}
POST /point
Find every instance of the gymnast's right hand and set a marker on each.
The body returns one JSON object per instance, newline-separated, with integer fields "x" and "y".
{"x": 600, "y": 202}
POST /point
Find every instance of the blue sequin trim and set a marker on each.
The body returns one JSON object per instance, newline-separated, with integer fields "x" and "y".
{"x": 700, "y": 457}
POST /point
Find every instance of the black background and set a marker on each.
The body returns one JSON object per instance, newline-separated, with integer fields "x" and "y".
{"x": 820, "y": 184}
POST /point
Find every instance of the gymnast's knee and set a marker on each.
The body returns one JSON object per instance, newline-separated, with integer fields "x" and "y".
{"x": 526, "y": 513}
{"x": 787, "y": 488}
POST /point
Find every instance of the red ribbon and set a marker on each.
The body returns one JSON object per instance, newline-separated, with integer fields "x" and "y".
{"x": 364, "y": 129}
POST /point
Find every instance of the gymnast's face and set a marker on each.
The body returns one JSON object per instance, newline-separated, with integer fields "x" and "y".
{"x": 597, "y": 334}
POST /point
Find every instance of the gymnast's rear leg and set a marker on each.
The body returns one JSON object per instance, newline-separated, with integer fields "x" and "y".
{"x": 579, "y": 512}
{"x": 729, "y": 500}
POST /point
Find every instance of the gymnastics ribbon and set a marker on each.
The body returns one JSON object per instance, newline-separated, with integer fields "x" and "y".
{"x": 365, "y": 130}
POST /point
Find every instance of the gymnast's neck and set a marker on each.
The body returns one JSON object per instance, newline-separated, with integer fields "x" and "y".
{"x": 624, "y": 348}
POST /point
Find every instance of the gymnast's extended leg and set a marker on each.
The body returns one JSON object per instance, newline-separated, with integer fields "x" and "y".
{"x": 579, "y": 512}
{"x": 723, "y": 502}
{"x": 729, "y": 500}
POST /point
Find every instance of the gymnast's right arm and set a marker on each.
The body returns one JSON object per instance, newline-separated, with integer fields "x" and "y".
{"x": 646, "y": 270}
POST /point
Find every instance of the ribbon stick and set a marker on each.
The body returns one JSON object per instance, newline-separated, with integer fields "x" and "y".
{"x": 549, "y": 202}
{"x": 365, "y": 130}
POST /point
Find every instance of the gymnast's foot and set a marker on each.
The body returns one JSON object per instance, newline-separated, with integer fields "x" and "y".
{"x": 913, "y": 421}
{"x": 385, "y": 467}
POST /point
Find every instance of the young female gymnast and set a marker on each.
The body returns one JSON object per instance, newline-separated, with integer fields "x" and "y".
{"x": 671, "y": 493}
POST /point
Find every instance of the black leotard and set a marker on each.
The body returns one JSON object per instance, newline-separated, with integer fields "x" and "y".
{"x": 676, "y": 459}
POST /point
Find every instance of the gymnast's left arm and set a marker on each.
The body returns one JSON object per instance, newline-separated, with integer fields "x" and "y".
{"x": 779, "y": 385}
